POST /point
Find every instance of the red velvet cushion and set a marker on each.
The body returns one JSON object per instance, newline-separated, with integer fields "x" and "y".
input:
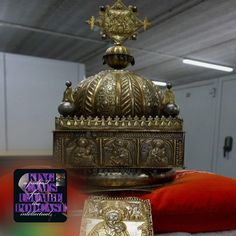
{"x": 195, "y": 202}
{"x": 6, "y": 195}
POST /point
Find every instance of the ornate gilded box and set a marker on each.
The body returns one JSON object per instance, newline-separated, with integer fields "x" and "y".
{"x": 117, "y": 129}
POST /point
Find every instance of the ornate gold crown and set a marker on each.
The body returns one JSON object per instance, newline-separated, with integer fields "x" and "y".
{"x": 117, "y": 129}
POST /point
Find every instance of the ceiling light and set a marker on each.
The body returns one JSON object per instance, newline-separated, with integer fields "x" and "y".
{"x": 162, "y": 84}
{"x": 207, "y": 65}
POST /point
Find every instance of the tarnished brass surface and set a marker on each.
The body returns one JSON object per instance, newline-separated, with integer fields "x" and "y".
{"x": 116, "y": 217}
{"x": 126, "y": 179}
{"x": 120, "y": 158}
{"x": 67, "y": 106}
{"x": 170, "y": 108}
{"x": 169, "y": 97}
{"x": 119, "y": 149}
{"x": 116, "y": 93}
{"x": 155, "y": 124}
{"x": 117, "y": 49}
{"x": 118, "y": 22}
{"x": 117, "y": 129}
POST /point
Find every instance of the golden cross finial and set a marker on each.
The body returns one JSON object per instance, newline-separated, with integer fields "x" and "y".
{"x": 118, "y": 22}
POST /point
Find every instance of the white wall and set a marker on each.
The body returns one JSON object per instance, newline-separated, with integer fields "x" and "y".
{"x": 2, "y": 104}
{"x": 30, "y": 91}
{"x": 198, "y": 108}
{"x": 208, "y": 110}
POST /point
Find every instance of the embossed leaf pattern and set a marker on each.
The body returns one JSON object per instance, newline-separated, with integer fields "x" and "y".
{"x": 116, "y": 93}
{"x": 137, "y": 94}
{"x": 89, "y": 101}
{"x": 79, "y": 97}
{"x": 126, "y": 97}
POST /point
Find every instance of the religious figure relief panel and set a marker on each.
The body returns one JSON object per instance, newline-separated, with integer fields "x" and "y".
{"x": 118, "y": 152}
{"x": 156, "y": 153}
{"x": 81, "y": 152}
{"x": 113, "y": 217}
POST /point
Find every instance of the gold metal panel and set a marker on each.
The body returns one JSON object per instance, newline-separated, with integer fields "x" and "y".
{"x": 81, "y": 152}
{"x": 119, "y": 152}
{"x": 116, "y": 217}
{"x": 119, "y": 149}
{"x": 132, "y": 124}
{"x": 157, "y": 152}
{"x": 118, "y": 22}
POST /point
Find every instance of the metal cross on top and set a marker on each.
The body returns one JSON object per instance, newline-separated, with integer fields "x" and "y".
{"x": 118, "y": 22}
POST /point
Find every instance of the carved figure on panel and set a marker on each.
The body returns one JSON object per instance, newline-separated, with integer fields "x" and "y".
{"x": 136, "y": 213}
{"x": 116, "y": 217}
{"x": 112, "y": 225}
{"x": 118, "y": 153}
{"x": 157, "y": 155}
{"x": 83, "y": 152}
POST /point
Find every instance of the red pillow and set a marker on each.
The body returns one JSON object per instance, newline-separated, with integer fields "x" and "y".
{"x": 195, "y": 202}
{"x": 6, "y": 196}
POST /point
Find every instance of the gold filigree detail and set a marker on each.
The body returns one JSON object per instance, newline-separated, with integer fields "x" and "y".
{"x": 156, "y": 152}
{"x": 98, "y": 159}
{"x": 119, "y": 22}
{"x": 117, "y": 129}
{"x": 81, "y": 152}
{"x": 169, "y": 97}
{"x": 68, "y": 94}
{"x": 119, "y": 149}
{"x": 118, "y": 152}
{"x": 136, "y": 123}
{"x": 116, "y": 217}
{"x": 116, "y": 93}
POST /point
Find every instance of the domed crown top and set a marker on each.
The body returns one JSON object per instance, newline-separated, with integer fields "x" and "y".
{"x": 116, "y": 92}
{"x": 117, "y": 129}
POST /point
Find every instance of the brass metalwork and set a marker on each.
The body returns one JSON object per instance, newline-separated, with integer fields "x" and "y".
{"x": 170, "y": 107}
{"x": 118, "y": 22}
{"x": 116, "y": 217}
{"x": 68, "y": 94}
{"x": 136, "y": 149}
{"x": 117, "y": 130}
{"x": 67, "y": 106}
{"x": 129, "y": 123}
{"x": 117, "y": 158}
{"x": 159, "y": 153}
{"x": 82, "y": 151}
{"x": 116, "y": 93}
{"x": 118, "y": 57}
{"x": 169, "y": 97}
